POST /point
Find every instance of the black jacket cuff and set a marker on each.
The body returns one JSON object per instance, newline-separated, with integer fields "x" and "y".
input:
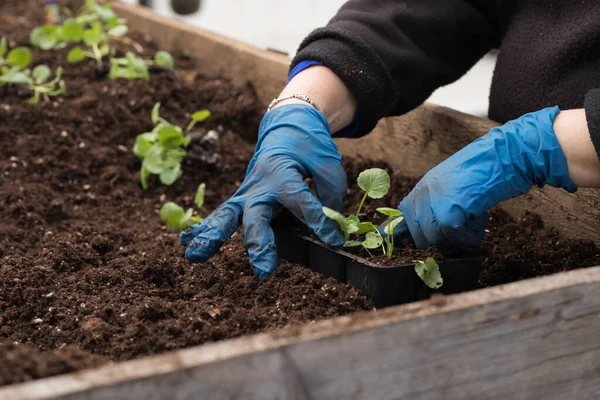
{"x": 592, "y": 112}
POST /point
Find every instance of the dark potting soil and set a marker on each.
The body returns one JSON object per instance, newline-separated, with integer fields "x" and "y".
{"x": 88, "y": 272}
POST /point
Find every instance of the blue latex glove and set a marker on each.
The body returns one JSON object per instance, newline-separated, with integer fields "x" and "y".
{"x": 294, "y": 143}
{"x": 448, "y": 207}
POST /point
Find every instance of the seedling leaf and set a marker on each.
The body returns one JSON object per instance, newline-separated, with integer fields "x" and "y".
{"x": 172, "y": 214}
{"x": 392, "y": 225}
{"x": 19, "y": 57}
{"x": 171, "y": 136}
{"x": 154, "y": 161}
{"x": 200, "y": 193}
{"x": 352, "y": 243}
{"x": 346, "y": 225}
{"x": 155, "y": 116}
{"x": 364, "y": 227}
{"x": 429, "y": 272}
{"x": 390, "y": 212}
{"x": 198, "y": 116}
{"x": 72, "y": 30}
{"x": 41, "y": 74}
{"x": 164, "y": 59}
{"x": 373, "y": 240}
{"x": 3, "y": 47}
{"x": 119, "y": 30}
{"x": 375, "y": 182}
{"x": 76, "y": 55}
{"x": 168, "y": 176}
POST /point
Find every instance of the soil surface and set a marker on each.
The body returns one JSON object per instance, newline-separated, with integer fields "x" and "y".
{"x": 88, "y": 272}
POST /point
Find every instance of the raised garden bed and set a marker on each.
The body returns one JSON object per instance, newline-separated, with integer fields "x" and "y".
{"x": 84, "y": 251}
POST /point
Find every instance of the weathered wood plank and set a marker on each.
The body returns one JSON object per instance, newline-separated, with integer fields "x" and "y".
{"x": 412, "y": 143}
{"x": 517, "y": 341}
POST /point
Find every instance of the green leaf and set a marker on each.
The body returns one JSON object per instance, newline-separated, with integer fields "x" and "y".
{"x": 169, "y": 175}
{"x": 48, "y": 42}
{"x": 186, "y": 221}
{"x": 429, "y": 272}
{"x": 76, "y": 55}
{"x": 144, "y": 175}
{"x": 94, "y": 36}
{"x": 172, "y": 214}
{"x": 344, "y": 224}
{"x": 372, "y": 240}
{"x": 142, "y": 146}
{"x": 392, "y": 225}
{"x": 16, "y": 77}
{"x": 41, "y": 74}
{"x": 119, "y": 30}
{"x": 171, "y": 136}
{"x": 155, "y": 115}
{"x": 375, "y": 182}
{"x": 201, "y": 115}
{"x": 196, "y": 218}
{"x": 3, "y": 47}
{"x": 352, "y": 243}
{"x": 35, "y": 36}
{"x": 365, "y": 227}
{"x": 164, "y": 59}
{"x": 200, "y": 193}
{"x": 72, "y": 30}
{"x": 19, "y": 57}
{"x": 390, "y": 212}
{"x": 105, "y": 13}
{"x": 154, "y": 161}
{"x": 104, "y": 50}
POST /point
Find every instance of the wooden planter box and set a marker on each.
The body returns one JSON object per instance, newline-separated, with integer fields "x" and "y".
{"x": 537, "y": 338}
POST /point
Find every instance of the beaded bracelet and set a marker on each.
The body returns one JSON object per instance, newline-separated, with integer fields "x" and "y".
{"x": 298, "y": 96}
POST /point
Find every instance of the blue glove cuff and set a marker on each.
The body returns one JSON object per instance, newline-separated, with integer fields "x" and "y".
{"x": 535, "y": 150}
{"x": 347, "y": 132}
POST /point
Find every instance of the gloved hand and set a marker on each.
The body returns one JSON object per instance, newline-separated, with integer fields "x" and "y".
{"x": 294, "y": 143}
{"x": 448, "y": 207}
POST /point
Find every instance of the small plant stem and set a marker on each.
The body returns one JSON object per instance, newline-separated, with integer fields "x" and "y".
{"x": 361, "y": 204}
{"x": 390, "y": 238}
{"x": 97, "y": 54}
{"x": 368, "y": 251}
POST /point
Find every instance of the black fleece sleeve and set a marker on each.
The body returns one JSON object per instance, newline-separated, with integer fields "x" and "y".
{"x": 393, "y": 54}
{"x": 592, "y": 113}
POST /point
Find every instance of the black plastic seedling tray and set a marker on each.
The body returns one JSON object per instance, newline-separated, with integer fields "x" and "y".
{"x": 384, "y": 285}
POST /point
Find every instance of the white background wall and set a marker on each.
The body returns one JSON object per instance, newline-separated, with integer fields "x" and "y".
{"x": 282, "y": 24}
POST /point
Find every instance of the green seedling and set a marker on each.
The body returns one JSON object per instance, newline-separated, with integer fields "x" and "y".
{"x": 16, "y": 59}
{"x": 97, "y": 41}
{"x": 394, "y": 218}
{"x": 133, "y": 67}
{"x": 73, "y": 27}
{"x": 429, "y": 272}
{"x": 178, "y": 218}
{"x": 162, "y": 150}
{"x": 14, "y": 71}
{"x": 375, "y": 183}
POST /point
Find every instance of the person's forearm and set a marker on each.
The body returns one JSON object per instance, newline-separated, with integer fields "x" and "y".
{"x": 572, "y": 132}
{"x": 327, "y": 91}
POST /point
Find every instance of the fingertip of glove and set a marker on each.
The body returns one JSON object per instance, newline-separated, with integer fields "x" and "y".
{"x": 196, "y": 255}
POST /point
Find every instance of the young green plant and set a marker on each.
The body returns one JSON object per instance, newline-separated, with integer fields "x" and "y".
{"x": 375, "y": 183}
{"x": 177, "y": 218}
{"x": 394, "y": 218}
{"x": 162, "y": 150}
{"x": 133, "y": 67}
{"x": 429, "y": 272}
{"x": 14, "y": 71}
